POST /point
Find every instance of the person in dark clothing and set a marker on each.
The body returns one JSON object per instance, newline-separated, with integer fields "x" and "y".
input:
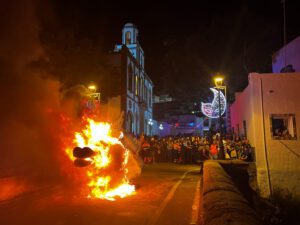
{"x": 204, "y": 155}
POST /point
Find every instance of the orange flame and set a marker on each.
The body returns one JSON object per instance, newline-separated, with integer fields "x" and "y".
{"x": 107, "y": 174}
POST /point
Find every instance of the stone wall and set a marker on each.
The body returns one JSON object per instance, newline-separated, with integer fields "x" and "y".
{"x": 222, "y": 202}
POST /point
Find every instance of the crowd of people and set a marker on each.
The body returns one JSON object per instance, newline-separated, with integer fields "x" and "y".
{"x": 194, "y": 149}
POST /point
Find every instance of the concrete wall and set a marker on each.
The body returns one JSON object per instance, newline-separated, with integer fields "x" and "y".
{"x": 277, "y": 161}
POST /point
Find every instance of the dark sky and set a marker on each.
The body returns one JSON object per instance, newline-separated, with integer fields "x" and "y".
{"x": 186, "y": 42}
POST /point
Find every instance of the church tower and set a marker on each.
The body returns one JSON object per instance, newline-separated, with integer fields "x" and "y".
{"x": 129, "y": 34}
{"x": 130, "y": 40}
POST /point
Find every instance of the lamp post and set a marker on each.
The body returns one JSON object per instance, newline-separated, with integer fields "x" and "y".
{"x": 93, "y": 94}
{"x": 219, "y": 85}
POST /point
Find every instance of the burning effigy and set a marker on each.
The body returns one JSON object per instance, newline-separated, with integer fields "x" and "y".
{"x": 106, "y": 162}
{"x": 105, "y": 159}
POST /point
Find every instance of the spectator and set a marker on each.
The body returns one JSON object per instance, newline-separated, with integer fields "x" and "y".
{"x": 214, "y": 150}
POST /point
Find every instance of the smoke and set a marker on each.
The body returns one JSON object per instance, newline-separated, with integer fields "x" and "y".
{"x": 37, "y": 116}
{"x": 30, "y": 129}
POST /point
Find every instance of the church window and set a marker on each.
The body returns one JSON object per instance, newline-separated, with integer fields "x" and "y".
{"x": 142, "y": 88}
{"x": 150, "y": 98}
{"x": 136, "y": 85}
{"x": 128, "y": 37}
{"x": 130, "y": 76}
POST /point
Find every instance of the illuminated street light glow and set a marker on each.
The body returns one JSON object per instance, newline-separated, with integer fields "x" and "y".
{"x": 92, "y": 88}
{"x": 150, "y": 122}
{"x": 211, "y": 110}
{"x": 218, "y": 81}
{"x": 161, "y": 127}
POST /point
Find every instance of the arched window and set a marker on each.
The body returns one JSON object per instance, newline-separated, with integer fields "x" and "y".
{"x": 142, "y": 88}
{"x": 150, "y": 97}
{"x": 136, "y": 85}
{"x": 128, "y": 38}
{"x": 130, "y": 77}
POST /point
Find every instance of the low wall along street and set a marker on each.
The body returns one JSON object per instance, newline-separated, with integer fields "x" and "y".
{"x": 223, "y": 203}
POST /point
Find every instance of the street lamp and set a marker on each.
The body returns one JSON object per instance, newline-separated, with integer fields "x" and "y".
{"x": 92, "y": 88}
{"x": 219, "y": 85}
{"x": 218, "y": 81}
{"x": 93, "y": 94}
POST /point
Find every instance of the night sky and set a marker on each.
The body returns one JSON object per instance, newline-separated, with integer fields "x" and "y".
{"x": 185, "y": 42}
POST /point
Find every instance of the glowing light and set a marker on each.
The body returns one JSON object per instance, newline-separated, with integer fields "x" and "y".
{"x": 218, "y": 81}
{"x": 211, "y": 110}
{"x": 150, "y": 122}
{"x": 92, "y": 88}
{"x": 161, "y": 127}
{"x": 191, "y": 124}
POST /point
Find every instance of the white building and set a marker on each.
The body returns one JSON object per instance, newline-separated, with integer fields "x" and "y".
{"x": 163, "y": 99}
{"x": 267, "y": 112}
{"x": 287, "y": 55}
{"x": 137, "y": 90}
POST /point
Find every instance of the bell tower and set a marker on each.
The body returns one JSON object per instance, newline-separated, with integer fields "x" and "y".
{"x": 130, "y": 40}
{"x": 130, "y": 33}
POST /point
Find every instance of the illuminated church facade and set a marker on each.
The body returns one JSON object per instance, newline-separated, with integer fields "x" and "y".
{"x": 136, "y": 99}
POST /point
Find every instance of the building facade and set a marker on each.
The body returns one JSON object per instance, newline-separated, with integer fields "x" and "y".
{"x": 267, "y": 113}
{"x": 287, "y": 58}
{"x": 137, "y": 91}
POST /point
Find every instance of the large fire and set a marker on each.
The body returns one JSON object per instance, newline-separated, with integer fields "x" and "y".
{"x": 104, "y": 158}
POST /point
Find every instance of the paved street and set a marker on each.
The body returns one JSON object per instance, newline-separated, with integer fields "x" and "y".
{"x": 166, "y": 194}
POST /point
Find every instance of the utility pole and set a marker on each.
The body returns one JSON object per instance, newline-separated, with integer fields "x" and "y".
{"x": 284, "y": 31}
{"x": 219, "y": 85}
{"x": 221, "y": 147}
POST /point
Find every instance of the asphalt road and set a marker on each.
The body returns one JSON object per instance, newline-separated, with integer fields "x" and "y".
{"x": 166, "y": 194}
